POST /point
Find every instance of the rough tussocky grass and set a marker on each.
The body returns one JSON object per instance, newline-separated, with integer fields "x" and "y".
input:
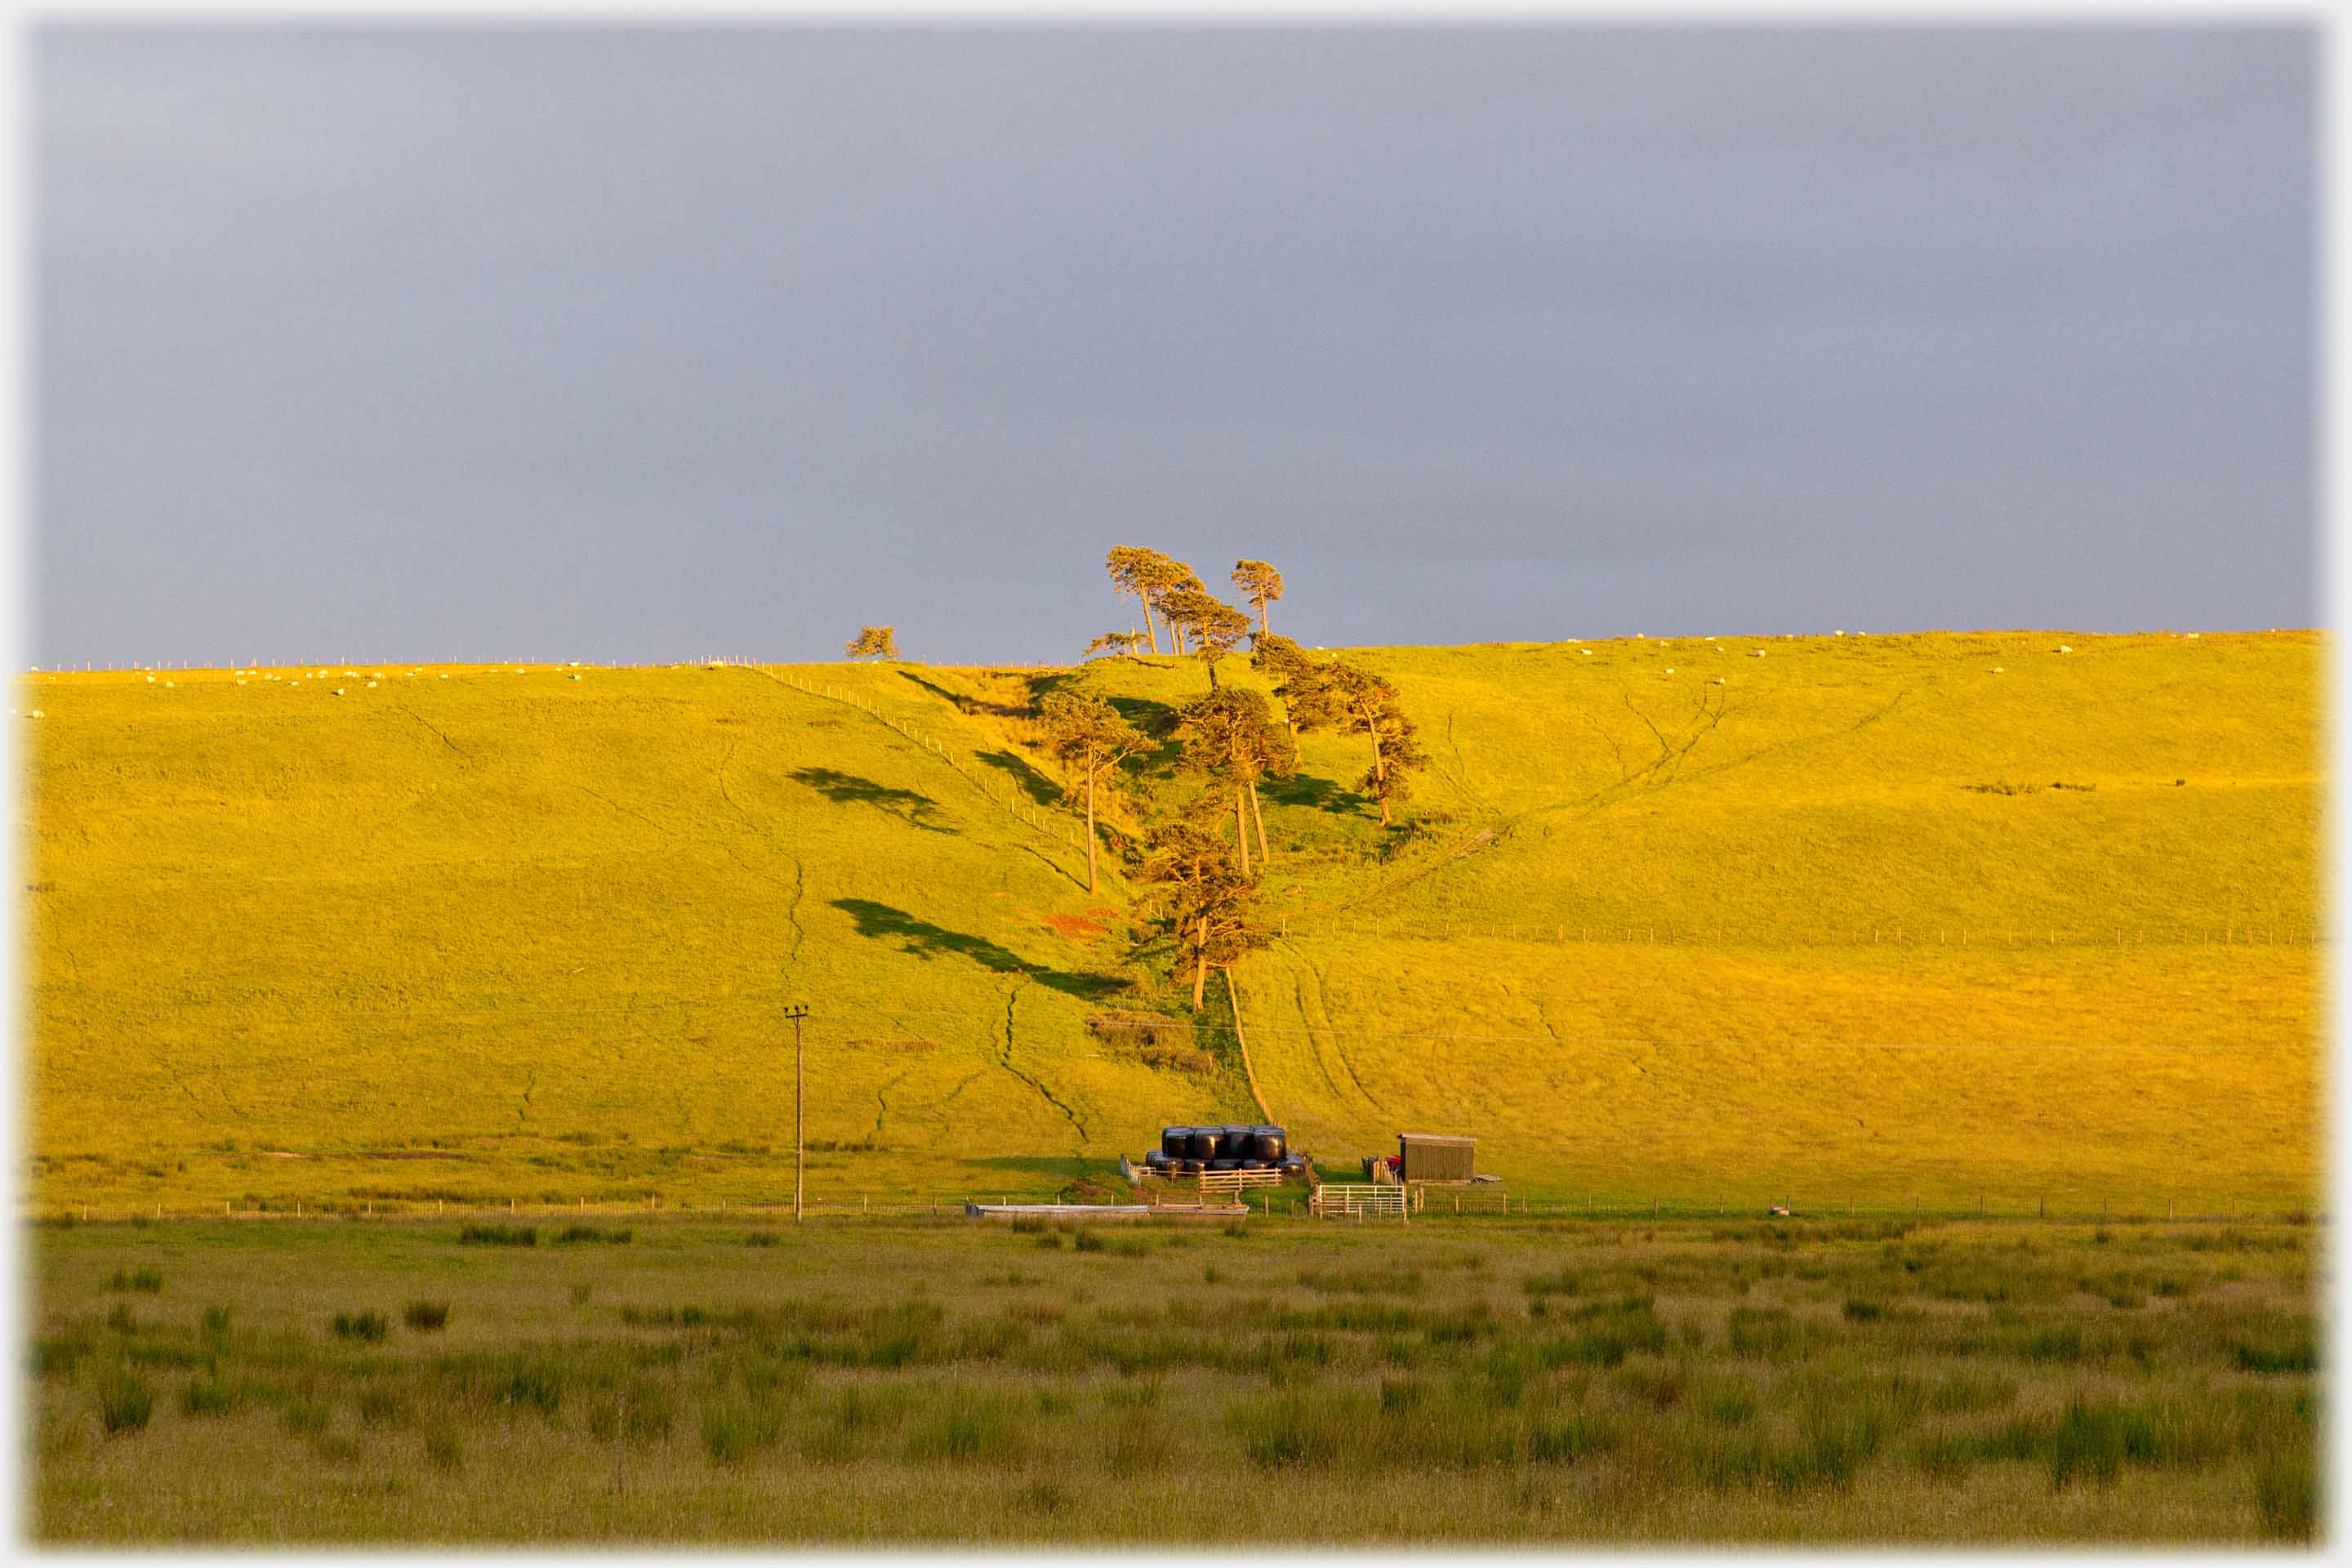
{"x": 518, "y": 936}
{"x": 901, "y": 1382}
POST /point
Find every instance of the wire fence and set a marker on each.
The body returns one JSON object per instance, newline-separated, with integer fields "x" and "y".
{"x": 1475, "y": 1203}
{"x": 1793, "y": 934}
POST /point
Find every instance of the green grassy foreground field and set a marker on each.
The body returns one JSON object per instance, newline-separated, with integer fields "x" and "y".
{"x": 1945, "y": 919}
{"x": 1457, "y": 1380}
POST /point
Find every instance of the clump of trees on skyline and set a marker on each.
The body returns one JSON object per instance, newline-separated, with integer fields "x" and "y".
{"x": 1203, "y": 881}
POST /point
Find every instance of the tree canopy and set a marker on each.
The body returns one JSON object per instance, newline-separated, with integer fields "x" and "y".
{"x": 1260, "y": 585}
{"x": 1204, "y": 899}
{"x": 1230, "y": 737}
{"x": 1217, "y": 629}
{"x": 1121, "y": 643}
{"x": 1151, "y": 577}
{"x": 874, "y": 642}
{"x": 1088, "y": 736}
{"x": 1351, "y": 700}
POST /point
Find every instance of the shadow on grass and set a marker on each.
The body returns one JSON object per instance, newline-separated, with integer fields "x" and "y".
{"x": 963, "y": 703}
{"x": 1319, "y": 794}
{"x": 1041, "y": 790}
{"x": 910, "y": 806}
{"x": 927, "y": 940}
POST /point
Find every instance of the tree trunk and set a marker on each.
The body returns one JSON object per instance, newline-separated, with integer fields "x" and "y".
{"x": 1090, "y": 826}
{"x": 1261, "y": 617}
{"x": 1380, "y": 777}
{"x": 1258, "y": 816}
{"x": 1212, "y": 672}
{"x": 1241, "y": 823}
{"x": 1200, "y": 964}
{"x": 1148, "y": 624}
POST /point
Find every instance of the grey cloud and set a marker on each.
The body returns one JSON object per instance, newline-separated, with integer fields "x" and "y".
{"x": 628, "y": 343}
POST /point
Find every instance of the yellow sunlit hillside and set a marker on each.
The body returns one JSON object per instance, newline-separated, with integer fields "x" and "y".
{"x": 1944, "y": 919}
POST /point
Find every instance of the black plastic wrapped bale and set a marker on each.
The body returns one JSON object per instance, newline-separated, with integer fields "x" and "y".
{"x": 1222, "y": 1164}
{"x": 1156, "y": 1160}
{"x": 1206, "y": 1144}
{"x": 1237, "y": 1140}
{"x": 1185, "y": 1167}
{"x": 1249, "y": 1165}
{"x": 1265, "y": 1143}
{"x": 1176, "y": 1143}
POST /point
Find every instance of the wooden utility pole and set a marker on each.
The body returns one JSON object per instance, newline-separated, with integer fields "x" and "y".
{"x": 796, "y": 1012}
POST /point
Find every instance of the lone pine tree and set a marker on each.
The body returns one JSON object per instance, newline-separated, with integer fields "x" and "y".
{"x": 1090, "y": 739}
{"x": 1260, "y": 585}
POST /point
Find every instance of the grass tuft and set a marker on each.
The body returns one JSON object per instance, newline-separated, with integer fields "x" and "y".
{"x": 369, "y": 1326}
{"x": 124, "y": 1403}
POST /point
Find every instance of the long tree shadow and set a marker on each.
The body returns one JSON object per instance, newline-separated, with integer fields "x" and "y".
{"x": 1306, "y": 790}
{"x": 1158, "y": 722}
{"x": 910, "y": 806}
{"x": 926, "y": 940}
{"x": 1041, "y": 790}
{"x": 1153, "y": 718}
{"x": 965, "y": 703}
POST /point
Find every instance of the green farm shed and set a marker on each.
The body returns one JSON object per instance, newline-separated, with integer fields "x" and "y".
{"x": 1426, "y": 1157}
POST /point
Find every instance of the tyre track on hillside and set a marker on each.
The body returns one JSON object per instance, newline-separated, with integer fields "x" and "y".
{"x": 882, "y": 1102}
{"x": 1672, "y": 758}
{"x": 1005, "y": 1061}
{"x": 759, "y": 830}
{"x": 1327, "y": 1035}
{"x": 435, "y": 729}
{"x": 950, "y": 1098}
{"x": 1298, "y": 994}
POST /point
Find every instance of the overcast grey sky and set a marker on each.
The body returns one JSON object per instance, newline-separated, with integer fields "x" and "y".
{"x": 565, "y": 342}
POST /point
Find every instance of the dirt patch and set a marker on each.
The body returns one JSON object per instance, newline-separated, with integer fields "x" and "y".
{"x": 1078, "y": 928}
